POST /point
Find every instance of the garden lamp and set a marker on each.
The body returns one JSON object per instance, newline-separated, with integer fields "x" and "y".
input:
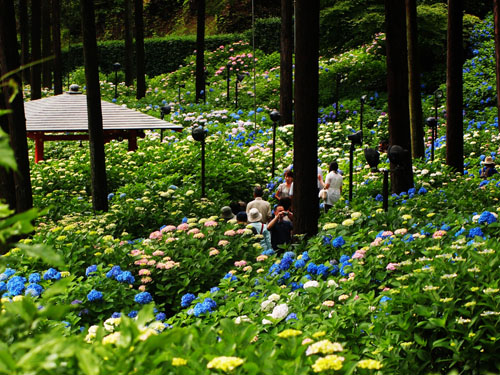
{"x": 362, "y": 102}
{"x": 372, "y": 157}
{"x": 275, "y": 117}
{"x": 116, "y": 68}
{"x": 181, "y": 85}
{"x": 199, "y": 134}
{"x": 432, "y": 123}
{"x": 239, "y": 78}
{"x": 438, "y": 94}
{"x": 356, "y": 139}
{"x": 165, "y": 110}
{"x": 228, "y": 77}
{"x": 397, "y": 155}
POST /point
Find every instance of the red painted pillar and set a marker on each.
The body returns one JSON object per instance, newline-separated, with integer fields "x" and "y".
{"x": 132, "y": 140}
{"x": 38, "y": 147}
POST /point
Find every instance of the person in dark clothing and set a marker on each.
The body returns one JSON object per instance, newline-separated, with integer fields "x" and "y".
{"x": 280, "y": 228}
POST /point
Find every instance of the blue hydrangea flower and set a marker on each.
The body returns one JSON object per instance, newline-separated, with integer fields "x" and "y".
{"x": 132, "y": 314}
{"x": 7, "y": 273}
{"x": 254, "y": 294}
{"x": 473, "y": 232}
{"x": 311, "y": 268}
{"x": 296, "y": 286}
{"x": 52, "y": 274}
{"x": 94, "y": 295}
{"x": 344, "y": 258}
{"x": 291, "y": 316}
{"x": 486, "y": 217}
{"x": 230, "y": 276}
{"x": 34, "y": 278}
{"x": 321, "y": 270}
{"x": 334, "y": 270}
{"x": 125, "y": 277}
{"x": 379, "y": 198}
{"x": 268, "y": 252}
{"x": 143, "y": 298}
{"x": 187, "y": 299}
{"x": 113, "y": 272}
{"x": 91, "y": 269}
{"x": 116, "y": 315}
{"x": 338, "y": 242}
{"x": 34, "y": 290}
{"x": 385, "y": 299}
{"x": 327, "y": 239}
{"x": 289, "y": 254}
{"x": 210, "y": 303}
{"x": 305, "y": 256}
{"x": 161, "y": 316}
{"x": 299, "y": 263}
{"x": 15, "y": 285}
{"x": 422, "y": 191}
{"x": 3, "y": 286}
{"x": 285, "y": 263}
{"x": 214, "y": 289}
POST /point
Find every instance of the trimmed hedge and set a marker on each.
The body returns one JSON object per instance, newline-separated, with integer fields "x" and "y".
{"x": 267, "y": 34}
{"x": 163, "y": 55}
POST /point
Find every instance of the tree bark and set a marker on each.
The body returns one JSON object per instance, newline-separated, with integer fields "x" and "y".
{"x": 305, "y": 160}
{"x": 416, "y": 121}
{"x": 496, "y": 15}
{"x": 129, "y": 44}
{"x": 56, "y": 40}
{"x": 7, "y": 185}
{"x": 200, "y": 50}
{"x": 25, "y": 35}
{"x": 397, "y": 92}
{"x": 454, "y": 88}
{"x": 286, "y": 62}
{"x": 9, "y": 61}
{"x": 46, "y": 45}
{"x": 96, "y": 137}
{"x": 139, "y": 50}
{"x": 36, "y": 49}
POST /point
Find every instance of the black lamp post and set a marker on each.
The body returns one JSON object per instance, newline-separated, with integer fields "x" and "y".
{"x": 179, "y": 91}
{"x": 228, "y": 77}
{"x": 199, "y": 134}
{"x": 239, "y": 78}
{"x": 356, "y": 139}
{"x": 438, "y": 94}
{"x": 116, "y": 68}
{"x": 432, "y": 123}
{"x": 372, "y": 157}
{"x": 362, "y": 102}
{"x": 275, "y": 117}
{"x": 165, "y": 110}
{"x": 337, "y": 86}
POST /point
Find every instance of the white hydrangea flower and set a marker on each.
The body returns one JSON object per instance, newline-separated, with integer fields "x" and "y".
{"x": 274, "y": 297}
{"x": 311, "y": 284}
{"x": 280, "y": 311}
{"x": 267, "y": 305}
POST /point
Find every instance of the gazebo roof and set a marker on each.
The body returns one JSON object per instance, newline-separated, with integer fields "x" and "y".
{"x": 68, "y": 113}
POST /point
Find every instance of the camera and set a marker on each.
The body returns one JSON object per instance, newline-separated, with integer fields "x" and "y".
{"x": 285, "y": 213}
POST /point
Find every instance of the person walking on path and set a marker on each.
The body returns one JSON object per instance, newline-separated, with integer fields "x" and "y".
{"x": 333, "y": 186}
{"x": 263, "y": 206}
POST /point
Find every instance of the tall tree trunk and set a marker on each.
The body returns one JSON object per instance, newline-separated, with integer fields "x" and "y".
{"x": 36, "y": 49}
{"x": 9, "y": 61}
{"x": 139, "y": 50}
{"x": 46, "y": 45}
{"x": 200, "y": 50}
{"x": 286, "y": 62}
{"x": 397, "y": 89}
{"x": 305, "y": 160}
{"x": 56, "y": 40}
{"x": 96, "y": 137}
{"x": 496, "y": 14}
{"x": 7, "y": 185}
{"x": 416, "y": 121}
{"x": 25, "y": 35}
{"x": 129, "y": 44}
{"x": 454, "y": 88}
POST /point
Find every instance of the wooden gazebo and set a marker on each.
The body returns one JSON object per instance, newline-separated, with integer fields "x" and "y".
{"x": 64, "y": 117}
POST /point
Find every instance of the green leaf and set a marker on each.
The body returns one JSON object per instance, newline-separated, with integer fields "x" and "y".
{"x": 88, "y": 362}
{"x": 419, "y": 340}
{"x": 44, "y": 253}
{"x": 6, "y": 154}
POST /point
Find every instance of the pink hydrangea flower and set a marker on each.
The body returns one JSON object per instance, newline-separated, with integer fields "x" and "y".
{"x": 168, "y": 228}
{"x": 136, "y": 252}
{"x": 158, "y": 253}
{"x": 213, "y": 252}
{"x": 142, "y": 288}
{"x": 141, "y": 262}
{"x": 199, "y": 235}
{"x": 392, "y": 266}
{"x": 144, "y": 272}
{"x": 146, "y": 280}
{"x": 155, "y": 235}
{"x": 439, "y": 234}
{"x": 183, "y": 226}
{"x": 240, "y": 263}
{"x": 229, "y": 233}
{"x": 151, "y": 262}
{"x": 194, "y": 231}
{"x": 358, "y": 254}
{"x": 223, "y": 243}
{"x": 210, "y": 223}
{"x": 261, "y": 258}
